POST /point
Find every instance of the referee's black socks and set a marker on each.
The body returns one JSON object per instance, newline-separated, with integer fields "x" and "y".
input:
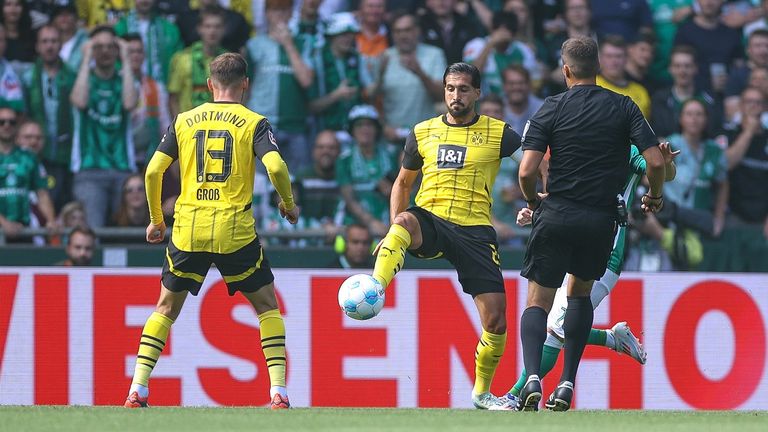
{"x": 533, "y": 333}
{"x": 577, "y": 324}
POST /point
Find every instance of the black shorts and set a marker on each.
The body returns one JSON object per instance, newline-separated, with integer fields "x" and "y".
{"x": 473, "y": 251}
{"x": 568, "y": 237}
{"x": 246, "y": 269}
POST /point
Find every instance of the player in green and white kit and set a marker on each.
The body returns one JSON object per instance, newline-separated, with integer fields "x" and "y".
{"x": 619, "y": 338}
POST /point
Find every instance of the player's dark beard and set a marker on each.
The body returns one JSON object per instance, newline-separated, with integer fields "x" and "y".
{"x": 459, "y": 112}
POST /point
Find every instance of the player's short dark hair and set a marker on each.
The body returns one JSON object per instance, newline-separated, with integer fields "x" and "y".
{"x": 132, "y": 37}
{"x": 757, "y": 33}
{"x": 229, "y": 69}
{"x": 518, "y": 69}
{"x": 505, "y": 19}
{"x": 211, "y": 11}
{"x": 84, "y": 230}
{"x": 102, "y": 29}
{"x": 581, "y": 56}
{"x": 462, "y": 68}
{"x": 683, "y": 49}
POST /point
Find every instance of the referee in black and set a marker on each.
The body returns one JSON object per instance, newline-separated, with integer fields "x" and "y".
{"x": 588, "y": 130}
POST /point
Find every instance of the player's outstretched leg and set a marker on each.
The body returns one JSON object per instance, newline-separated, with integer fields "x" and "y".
{"x": 153, "y": 338}
{"x": 273, "y": 344}
{"x": 391, "y": 254}
{"x": 492, "y": 309}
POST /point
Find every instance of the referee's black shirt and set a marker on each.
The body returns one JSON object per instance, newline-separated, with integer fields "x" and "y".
{"x": 588, "y": 130}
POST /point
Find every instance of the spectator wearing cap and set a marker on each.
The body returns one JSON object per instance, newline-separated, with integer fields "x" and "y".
{"x": 280, "y": 67}
{"x": 236, "y": 17}
{"x": 340, "y": 76}
{"x": 365, "y": 172}
{"x": 613, "y": 60}
{"x": 64, "y": 18}
{"x": 624, "y": 18}
{"x": 320, "y": 190}
{"x": 717, "y": 46}
{"x": 11, "y": 94}
{"x": 443, "y": 27}
{"x": 410, "y": 78}
{"x": 160, "y": 38}
{"x": 493, "y": 53}
{"x": 47, "y": 87}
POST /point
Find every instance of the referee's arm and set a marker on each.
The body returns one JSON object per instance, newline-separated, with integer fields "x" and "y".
{"x": 534, "y": 142}
{"x": 645, "y": 139}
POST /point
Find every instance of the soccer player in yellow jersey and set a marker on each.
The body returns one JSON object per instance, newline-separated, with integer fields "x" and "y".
{"x": 458, "y": 154}
{"x": 216, "y": 145}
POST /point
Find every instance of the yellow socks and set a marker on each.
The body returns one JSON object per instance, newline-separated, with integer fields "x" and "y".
{"x": 487, "y": 356}
{"x": 273, "y": 345}
{"x": 391, "y": 255}
{"x": 151, "y": 345}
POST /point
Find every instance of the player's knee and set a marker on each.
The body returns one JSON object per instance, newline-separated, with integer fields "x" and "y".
{"x": 496, "y": 323}
{"x": 168, "y": 310}
{"x": 408, "y": 221}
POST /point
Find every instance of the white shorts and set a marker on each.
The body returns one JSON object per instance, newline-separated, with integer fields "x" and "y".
{"x": 557, "y": 313}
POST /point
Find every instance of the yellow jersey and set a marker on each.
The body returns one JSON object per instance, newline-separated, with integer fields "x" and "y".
{"x": 459, "y": 164}
{"x": 216, "y": 145}
{"x": 633, "y": 90}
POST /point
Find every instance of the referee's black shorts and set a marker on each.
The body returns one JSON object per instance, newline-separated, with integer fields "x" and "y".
{"x": 472, "y": 250}
{"x": 568, "y": 237}
{"x": 246, "y": 269}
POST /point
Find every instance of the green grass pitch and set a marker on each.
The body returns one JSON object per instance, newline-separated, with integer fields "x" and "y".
{"x": 15, "y": 418}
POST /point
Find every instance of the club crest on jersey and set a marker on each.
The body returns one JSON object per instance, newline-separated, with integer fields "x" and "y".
{"x": 477, "y": 138}
{"x": 451, "y": 156}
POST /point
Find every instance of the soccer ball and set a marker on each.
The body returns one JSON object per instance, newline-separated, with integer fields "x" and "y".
{"x": 361, "y": 297}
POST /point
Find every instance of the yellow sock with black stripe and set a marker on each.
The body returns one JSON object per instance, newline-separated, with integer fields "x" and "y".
{"x": 151, "y": 346}
{"x": 487, "y": 356}
{"x": 391, "y": 254}
{"x": 273, "y": 345}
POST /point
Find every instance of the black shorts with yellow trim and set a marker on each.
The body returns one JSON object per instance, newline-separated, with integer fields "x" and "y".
{"x": 246, "y": 269}
{"x": 473, "y": 251}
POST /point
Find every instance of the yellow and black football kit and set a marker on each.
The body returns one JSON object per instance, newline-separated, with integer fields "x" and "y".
{"x": 459, "y": 164}
{"x": 216, "y": 145}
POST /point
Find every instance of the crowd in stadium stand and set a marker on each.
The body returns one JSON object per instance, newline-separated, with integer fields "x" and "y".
{"x": 88, "y": 87}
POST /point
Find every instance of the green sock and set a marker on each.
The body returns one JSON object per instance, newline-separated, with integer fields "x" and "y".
{"x": 548, "y": 359}
{"x": 597, "y": 337}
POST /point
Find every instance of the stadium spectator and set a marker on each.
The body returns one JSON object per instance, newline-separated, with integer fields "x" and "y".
{"x": 102, "y": 12}
{"x": 187, "y": 84}
{"x": 20, "y": 176}
{"x": 102, "y": 154}
{"x": 717, "y": 46}
{"x": 150, "y": 118}
{"x": 47, "y": 86}
{"x": 747, "y": 156}
{"x": 307, "y": 24}
{"x": 320, "y": 190}
{"x": 11, "y": 94}
{"x": 73, "y": 215}
{"x": 236, "y": 29}
{"x": 365, "y": 172}
{"x": 667, "y": 16}
{"x": 280, "y": 68}
{"x": 443, "y": 27}
{"x": 491, "y": 54}
{"x": 738, "y": 79}
{"x": 491, "y": 105}
{"x": 354, "y": 249}
{"x": 521, "y": 104}
{"x": 79, "y": 250}
{"x": 133, "y": 210}
{"x": 20, "y": 37}
{"x": 372, "y": 39}
{"x": 577, "y": 16}
{"x": 667, "y": 102}
{"x": 624, "y": 18}
{"x": 525, "y": 24}
{"x": 640, "y": 52}
{"x": 274, "y": 222}
{"x": 410, "y": 78}
{"x": 160, "y": 37}
{"x": 613, "y": 60}
{"x": 30, "y": 138}
{"x": 701, "y": 182}
{"x": 340, "y": 76}
{"x": 64, "y": 18}
{"x": 761, "y": 23}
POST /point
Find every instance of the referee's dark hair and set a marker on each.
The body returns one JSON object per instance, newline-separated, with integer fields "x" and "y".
{"x": 580, "y": 54}
{"x": 462, "y": 68}
{"x": 228, "y": 69}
